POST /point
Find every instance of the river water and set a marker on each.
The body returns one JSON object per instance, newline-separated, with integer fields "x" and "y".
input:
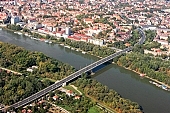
{"x": 127, "y": 83}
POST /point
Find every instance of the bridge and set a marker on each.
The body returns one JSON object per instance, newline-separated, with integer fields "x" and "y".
{"x": 74, "y": 75}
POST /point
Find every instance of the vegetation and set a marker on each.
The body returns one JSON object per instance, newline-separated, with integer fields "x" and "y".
{"x": 81, "y": 105}
{"x": 94, "y": 110}
{"x": 91, "y": 48}
{"x": 150, "y": 35}
{"x": 151, "y": 45}
{"x": 38, "y": 108}
{"x": 18, "y": 59}
{"x": 109, "y": 97}
{"x": 132, "y": 41}
{"x": 14, "y": 88}
{"x": 155, "y": 68}
{"x": 119, "y": 45}
{"x": 14, "y": 27}
{"x": 71, "y": 88}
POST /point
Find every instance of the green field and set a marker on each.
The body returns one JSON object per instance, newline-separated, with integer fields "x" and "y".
{"x": 94, "y": 109}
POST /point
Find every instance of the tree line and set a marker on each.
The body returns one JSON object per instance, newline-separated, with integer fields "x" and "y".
{"x": 14, "y": 27}
{"x": 153, "y": 67}
{"x": 90, "y": 48}
{"x": 107, "y": 96}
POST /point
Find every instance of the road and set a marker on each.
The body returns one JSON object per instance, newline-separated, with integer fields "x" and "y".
{"x": 104, "y": 107}
{"x": 74, "y": 75}
{"x": 11, "y": 71}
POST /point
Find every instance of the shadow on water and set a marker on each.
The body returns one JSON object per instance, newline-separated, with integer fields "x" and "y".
{"x": 100, "y": 67}
{"x": 107, "y": 66}
{"x": 102, "y": 70}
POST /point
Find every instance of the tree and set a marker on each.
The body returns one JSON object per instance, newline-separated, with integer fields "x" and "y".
{"x": 48, "y": 36}
{"x": 61, "y": 39}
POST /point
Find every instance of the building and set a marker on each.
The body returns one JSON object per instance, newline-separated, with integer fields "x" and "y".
{"x": 1, "y": 8}
{"x": 149, "y": 27}
{"x": 15, "y": 20}
{"x": 15, "y": 2}
{"x": 35, "y": 25}
{"x": 68, "y": 31}
{"x": 96, "y": 41}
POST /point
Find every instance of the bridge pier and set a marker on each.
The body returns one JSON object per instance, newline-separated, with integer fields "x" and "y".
{"x": 92, "y": 73}
{"x": 110, "y": 61}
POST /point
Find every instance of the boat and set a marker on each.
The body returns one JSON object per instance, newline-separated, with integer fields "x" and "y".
{"x": 19, "y": 33}
{"x": 67, "y": 46}
{"x": 83, "y": 52}
{"x": 35, "y": 38}
{"x": 164, "y": 87}
{"x": 154, "y": 83}
{"x": 0, "y": 29}
{"x": 142, "y": 75}
{"x": 26, "y": 34}
{"x": 62, "y": 44}
{"x": 46, "y": 41}
{"x": 150, "y": 82}
{"x": 50, "y": 42}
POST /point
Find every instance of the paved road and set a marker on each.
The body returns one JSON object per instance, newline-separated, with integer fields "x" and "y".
{"x": 74, "y": 75}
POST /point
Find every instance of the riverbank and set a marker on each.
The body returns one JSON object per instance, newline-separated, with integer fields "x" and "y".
{"x": 3, "y": 25}
{"x": 31, "y": 35}
{"x": 78, "y": 50}
{"x": 154, "y": 80}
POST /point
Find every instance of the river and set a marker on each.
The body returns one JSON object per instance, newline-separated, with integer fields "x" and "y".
{"x": 127, "y": 83}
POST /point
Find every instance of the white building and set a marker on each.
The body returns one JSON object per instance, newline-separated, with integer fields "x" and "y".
{"x": 149, "y": 27}
{"x": 90, "y": 32}
{"x": 96, "y": 41}
{"x": 67, "y": 31}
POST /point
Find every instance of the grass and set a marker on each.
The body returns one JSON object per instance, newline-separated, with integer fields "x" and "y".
{"x": 103, "y": 104}
{"x": 71, "y": 88}
{"x": 94, "y": 109}
{"x": 65, "y": 107}
{"x": 52, "y": 80}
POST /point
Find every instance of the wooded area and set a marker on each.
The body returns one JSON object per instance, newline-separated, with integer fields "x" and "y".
{"x": 107, "y": 96}
{"x": 154, "y": 67}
